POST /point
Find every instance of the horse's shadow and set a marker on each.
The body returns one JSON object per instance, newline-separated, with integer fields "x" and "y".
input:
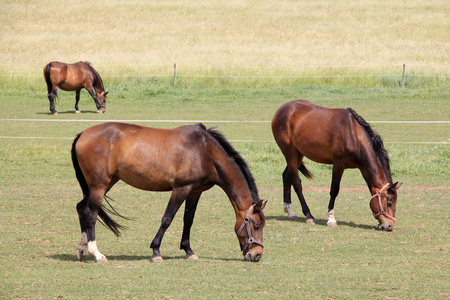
{"x": 73, "y": 257}
{"x": 68, "y": 112}
{"x": 321, "y": 222}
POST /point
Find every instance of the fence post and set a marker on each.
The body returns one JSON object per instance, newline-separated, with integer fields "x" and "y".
{"x": 174, "y": 74}
{"x": 403, "y": 77}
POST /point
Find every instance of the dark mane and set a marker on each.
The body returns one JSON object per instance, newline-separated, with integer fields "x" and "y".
{"x": 99, "y": 79}
{"x": 377, "y": 143}
{"x": 220, "y": 138}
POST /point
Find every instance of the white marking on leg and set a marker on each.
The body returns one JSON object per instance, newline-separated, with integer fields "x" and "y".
{"x": 84, "y": 243}
{"x": 331, "y": 218}
{"x": 92, "y": 249}
{"x": 82, "y": 251}
{"x": 288, "y": 209}
{"x": 84, "y": 240}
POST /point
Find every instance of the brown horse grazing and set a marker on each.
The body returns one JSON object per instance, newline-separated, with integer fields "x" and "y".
{"x": 339, "y": 137}
{"x": 74, "y": 77}
{"x": 186, "y": 160}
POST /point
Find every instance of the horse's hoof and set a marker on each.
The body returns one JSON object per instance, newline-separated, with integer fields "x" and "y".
{"x": 311, "y": 221}
{"x": 101, "y": 260}
{"x": 332, "y": 224}
{"x": 293, "y": 218}
{"x": 80, "y": 254}
{"x": 99, "y": 111}
{"x": 78, "y": 112}
{"x": 54, "y": 113}
{"x": 156, "y": 258}
{"x": 192, "y": 256}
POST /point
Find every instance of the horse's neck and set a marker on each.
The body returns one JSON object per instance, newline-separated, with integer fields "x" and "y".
{"x": 372, "y": 170}
{"x": 98, "y": 83}
{"x": 233, "y": 182}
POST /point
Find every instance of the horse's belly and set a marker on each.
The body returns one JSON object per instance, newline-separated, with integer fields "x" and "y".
{"x": 69, "y": 87}
{"x": 317, "y": 155}
{"x": 146, "y": 182}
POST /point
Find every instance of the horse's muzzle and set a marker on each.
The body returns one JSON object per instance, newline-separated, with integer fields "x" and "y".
{"x": 385, "y": 226}
{"x": 254, "y": 255}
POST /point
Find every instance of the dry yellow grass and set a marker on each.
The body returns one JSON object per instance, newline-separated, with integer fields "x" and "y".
{"x": 244, "y": 37}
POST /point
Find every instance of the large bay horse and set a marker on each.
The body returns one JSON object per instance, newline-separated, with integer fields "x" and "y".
{"x": 74, "y": 77}
{"x": 186, "y": 160}
{"x": 339, "y": 137}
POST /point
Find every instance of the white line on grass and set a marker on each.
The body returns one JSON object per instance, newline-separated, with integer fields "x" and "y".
{"x": 202, "y": 121}
{"x": 234, "y": 141}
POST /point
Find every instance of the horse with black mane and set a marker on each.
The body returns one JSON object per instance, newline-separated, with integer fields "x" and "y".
{"x": 339, "y": 137}
{"x": 74, "y": 77}
{"x": 187, "y": 160}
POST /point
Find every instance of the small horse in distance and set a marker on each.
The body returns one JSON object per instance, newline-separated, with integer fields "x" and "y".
{"x": 186, "y": 160}
{"x": 339, "y": 137}
{"x": 74, "y": 77}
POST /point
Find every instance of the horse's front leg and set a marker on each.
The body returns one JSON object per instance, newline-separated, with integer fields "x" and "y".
{"x": 77, "y": 99}
{"x": 334, "y": 191}
{"x": 91, "y": 92}
{"x": 189, "y": 213}
{"x": 176, "y": 199}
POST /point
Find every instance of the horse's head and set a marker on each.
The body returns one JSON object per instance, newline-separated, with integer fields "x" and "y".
{"x": 383, "y": 205}
{"x": 249, "y": 230}
{"x": 101, "y": 105}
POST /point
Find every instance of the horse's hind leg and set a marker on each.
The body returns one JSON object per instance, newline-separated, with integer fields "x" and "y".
{"x": 77, "y": 99}
{"x": 51, "y": 98}
{"x": 287, "y": 183}
{"x": 189, "y": 213}
{"x": 82, "y": 251}
{"x": 87, "y": 212}
{"x": 291, "y": 177}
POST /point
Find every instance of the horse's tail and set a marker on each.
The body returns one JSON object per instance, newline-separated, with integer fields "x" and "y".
{"x": 220, "y": 138}
{"x": 305, "y": 171}
{"x": 105, "y": 219}
{"x": 47, "y": 77}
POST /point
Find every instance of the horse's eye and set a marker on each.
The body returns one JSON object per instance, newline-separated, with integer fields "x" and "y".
{"x": 256, "y": 226}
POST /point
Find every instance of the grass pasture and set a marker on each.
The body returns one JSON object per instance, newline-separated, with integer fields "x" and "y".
{"x": 39, "y": 228}
{"x": 240, "y": 38}
{"x": 248, "y": 57}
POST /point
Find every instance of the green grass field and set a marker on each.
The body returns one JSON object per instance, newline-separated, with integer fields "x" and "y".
{"x": 277, "y": 41}
{"x": 40, "y": 232}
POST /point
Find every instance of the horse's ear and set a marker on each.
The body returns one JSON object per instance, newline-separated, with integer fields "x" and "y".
{"x": 260, "y": 205}
{"x": 395, "y": 186}
{"x": 104, "y": 94}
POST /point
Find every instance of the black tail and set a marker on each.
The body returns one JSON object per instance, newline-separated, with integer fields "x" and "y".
{"x": 47, "y": 78}
{"x": 305, "y": 171}
{"x": 220, "y": 138}
{"x": 105, "y": 219}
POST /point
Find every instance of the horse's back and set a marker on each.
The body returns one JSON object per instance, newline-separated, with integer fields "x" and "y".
{"x": 69, "y": 77}
{"x": 304, "y": 116}
{"x": 126, "y": 137}
{"x": 56, "y": 71}
{"x": 317, "y": 132}
{"x": 145, "y": 157}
